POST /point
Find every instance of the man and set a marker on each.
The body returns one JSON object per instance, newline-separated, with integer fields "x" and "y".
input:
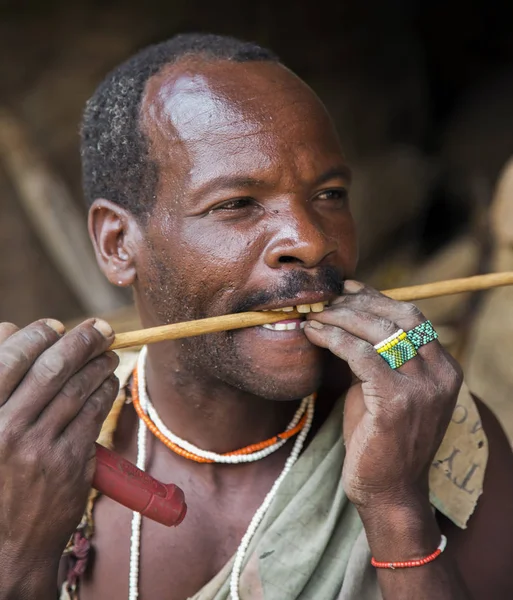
{"x": 216, "y": 185}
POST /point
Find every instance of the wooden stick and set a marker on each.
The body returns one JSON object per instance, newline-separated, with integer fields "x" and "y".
{"x": 450, "y": 287}
{"x": 252, "y": 319}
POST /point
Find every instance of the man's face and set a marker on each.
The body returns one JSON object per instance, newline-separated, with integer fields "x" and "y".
{"x": 251, "y": 213}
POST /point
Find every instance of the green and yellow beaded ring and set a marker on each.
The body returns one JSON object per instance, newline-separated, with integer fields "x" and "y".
{"x": 397, "y": 349}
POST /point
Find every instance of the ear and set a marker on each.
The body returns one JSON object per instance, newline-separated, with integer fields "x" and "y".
{"x": 114, "y": 231}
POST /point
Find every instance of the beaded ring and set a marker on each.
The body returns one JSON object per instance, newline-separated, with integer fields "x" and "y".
{"x": 422, "y": 334}
{"x": 398, "y": 351}
{"x": 388, "y": 340}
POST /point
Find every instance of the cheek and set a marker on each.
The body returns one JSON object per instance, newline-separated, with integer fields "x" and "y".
{"x": 225, "y": 255}
{"x": 343, "y": 229}
{"x": 226, "y": 244}
{"x": 350, "y": 246}
{"x": 204, "y": 267}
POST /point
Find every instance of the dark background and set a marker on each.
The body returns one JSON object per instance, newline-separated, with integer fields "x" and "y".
{"x": 421, "y": 93}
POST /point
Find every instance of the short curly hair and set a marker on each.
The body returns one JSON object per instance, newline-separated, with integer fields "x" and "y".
{"x": 114, "y": 149}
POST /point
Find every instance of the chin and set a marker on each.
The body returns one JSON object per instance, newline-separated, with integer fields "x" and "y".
{"x": 280, "y": 380}
{"x": 283, "y": 368}
{"x": 278, "y": 389}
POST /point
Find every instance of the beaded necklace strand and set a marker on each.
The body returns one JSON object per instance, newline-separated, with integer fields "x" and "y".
{"x": 251, "y": 453}
{"x": 149, "y": 419}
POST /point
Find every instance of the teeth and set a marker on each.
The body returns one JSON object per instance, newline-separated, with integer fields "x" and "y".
{"x": 317, "y": 307}
{"x": 302, "y": 325}
{"x": 283, "y": 326}
{"x": 303, "y": 308}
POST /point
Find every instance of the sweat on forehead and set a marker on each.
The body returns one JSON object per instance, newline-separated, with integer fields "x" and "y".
{"x": 227, "y": 107}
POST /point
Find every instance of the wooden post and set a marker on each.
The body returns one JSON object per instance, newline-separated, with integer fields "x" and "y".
{"x": 55, "y": 217}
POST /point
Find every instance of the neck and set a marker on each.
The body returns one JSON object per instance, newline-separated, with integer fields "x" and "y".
{"x": 207, "y": 412}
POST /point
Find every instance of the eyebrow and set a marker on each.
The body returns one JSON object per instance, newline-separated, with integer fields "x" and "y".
{"x": 339, "y": 172}
{"x": 224, "y": 182}
{"x": 228, "y": 181}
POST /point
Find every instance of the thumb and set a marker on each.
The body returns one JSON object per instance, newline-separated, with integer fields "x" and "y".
{"x": 354, "y": 409}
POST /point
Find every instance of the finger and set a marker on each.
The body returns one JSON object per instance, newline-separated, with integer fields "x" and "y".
{"x": 362, "y": 358}
{"x": 362, "y": 297}
{"x": 365, "y": 325}
{"x": 70, "y": 400}
{"x": 86, "y": 426}
{"x": 358, "y": 296}
{"x": 6, "y": 330}
{"x": 20, "y": 349}
{"x": 56, "y": 365}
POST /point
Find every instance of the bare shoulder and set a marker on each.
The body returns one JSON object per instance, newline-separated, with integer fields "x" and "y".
{"x": 484, "y": 551}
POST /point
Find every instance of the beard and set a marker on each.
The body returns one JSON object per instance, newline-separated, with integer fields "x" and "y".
{"x": 170, "y": 296}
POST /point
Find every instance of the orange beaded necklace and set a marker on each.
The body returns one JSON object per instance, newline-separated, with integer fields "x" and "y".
{"x": 190, "y": 455}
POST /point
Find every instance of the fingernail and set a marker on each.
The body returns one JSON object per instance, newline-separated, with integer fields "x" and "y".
{"x": 57, "y": 326}
{"x": 315, "y": 324}
{"x": 103, "y": 327}
{"x": 351, "y": 286}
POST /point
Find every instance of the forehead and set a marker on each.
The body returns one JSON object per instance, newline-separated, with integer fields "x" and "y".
{"x": 206, "y": 119}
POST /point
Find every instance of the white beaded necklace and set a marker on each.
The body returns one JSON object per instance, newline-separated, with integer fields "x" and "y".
{"x": 307, "y": 405}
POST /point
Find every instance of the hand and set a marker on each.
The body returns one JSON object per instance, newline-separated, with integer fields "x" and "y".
{"x": 394, "y": 420}
{"x": 56, "y": 390}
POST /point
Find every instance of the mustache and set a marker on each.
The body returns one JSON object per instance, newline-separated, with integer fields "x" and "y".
{"x": 327, "y": 280}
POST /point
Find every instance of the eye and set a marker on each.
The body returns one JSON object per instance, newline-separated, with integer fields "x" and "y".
{"x": 337, "y": 195}
{"x": 235, "y": 204}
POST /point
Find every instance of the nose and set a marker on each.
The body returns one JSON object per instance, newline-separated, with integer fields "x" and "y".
{"x": 299, "y": 239}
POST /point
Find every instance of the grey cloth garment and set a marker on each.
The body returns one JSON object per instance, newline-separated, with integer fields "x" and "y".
{"x": 311, "y": 544}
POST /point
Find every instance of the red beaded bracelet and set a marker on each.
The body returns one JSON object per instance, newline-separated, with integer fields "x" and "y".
{"x": 408, "y": 564}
